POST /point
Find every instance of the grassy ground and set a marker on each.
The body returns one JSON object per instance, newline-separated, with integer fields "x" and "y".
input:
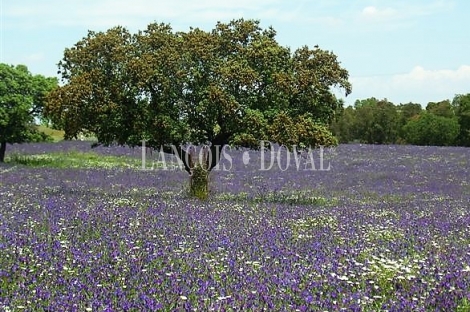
{"x": 74, "y": 159}
{"x": 57, "y": 135}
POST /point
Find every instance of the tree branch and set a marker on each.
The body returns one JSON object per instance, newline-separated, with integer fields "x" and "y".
{"x": 181, "y": 154}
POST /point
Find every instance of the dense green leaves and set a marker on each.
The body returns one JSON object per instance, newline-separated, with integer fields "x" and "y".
{"x": 320, "y": 69}
{"x": 381, "y": 122}
{"x": 442, "y": 108}
{"x": 372, "y": 121}
{"x": 21, "y": 101}
{"x": 430, "y": 129}
{"x": 461, "y": 106}
{"x": 232, "y": 85}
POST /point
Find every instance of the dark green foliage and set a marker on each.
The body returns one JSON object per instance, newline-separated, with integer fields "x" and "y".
{"x": 409, "y": 110}
{"x": 376, "y": 121}
{"x": 314, "y": 134}
{"x": 442, "y": 108}
{"x": 430, "y": 129}
{"x": 381, "y": 122}
{"x": 461, "y": 105}
{"x": 232, "y": 85}
{"x": 21, "y": 102}
{"x": 406, "y": 113}
{"x": 343, "y": 127}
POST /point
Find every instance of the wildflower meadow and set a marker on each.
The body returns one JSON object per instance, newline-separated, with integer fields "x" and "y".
{"x": 376, "y": 228}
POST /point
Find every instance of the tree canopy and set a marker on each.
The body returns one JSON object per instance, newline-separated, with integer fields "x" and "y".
{"x": 461, "y": 106}
{"x": 431, "y": 129}
{"x": 381, "y": 122}
{"x": 22, "y": 98}
{"x": 376, "y": 121}
{"x": 232, "y": 85}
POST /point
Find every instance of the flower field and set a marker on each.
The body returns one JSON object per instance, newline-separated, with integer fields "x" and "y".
{"x": 385, "y": 228}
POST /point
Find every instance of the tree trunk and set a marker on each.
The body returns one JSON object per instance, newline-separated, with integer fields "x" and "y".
{"x": 3, "y": 147}
{"x": 199, "y": 165}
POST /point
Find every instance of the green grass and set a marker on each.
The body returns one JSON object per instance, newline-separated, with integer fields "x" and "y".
{"x": 464, "y": 305}
{"x": 74, "y": 159}
{"x": 57, "y": 135}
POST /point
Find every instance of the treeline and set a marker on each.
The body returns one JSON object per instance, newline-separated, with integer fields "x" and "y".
{"x": 374, "y": 121}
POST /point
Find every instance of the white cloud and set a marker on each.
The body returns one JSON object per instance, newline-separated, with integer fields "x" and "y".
{"x": 402, "y": 13}
{"x": 374, "y": 13}
{"x": 418, "y": 73}
{"x": 420, "y": 85}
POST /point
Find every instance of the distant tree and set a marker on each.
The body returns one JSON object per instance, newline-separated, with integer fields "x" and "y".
{"x": 409, "y": 110}
{"x": 406, "y": 113}
{"x": 461, "y": 106}
{"x": 232, "y": 85}
{"x": 387, "y": 118}
{"x": 377, "y": 122}
{"x": 431, "y": 129}
{"x": 21, "y": 101}
{"x": 442, "y": 108}
{"x": 344, "y": 126}
{"x": 364, "y": 122}
{"x": 369, "y": 102}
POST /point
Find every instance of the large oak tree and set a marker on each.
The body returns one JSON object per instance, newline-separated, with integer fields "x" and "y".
{"x": 233, "y": 85}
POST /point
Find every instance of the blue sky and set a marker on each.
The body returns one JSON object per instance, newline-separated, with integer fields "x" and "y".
{"x": 402, "y": 50}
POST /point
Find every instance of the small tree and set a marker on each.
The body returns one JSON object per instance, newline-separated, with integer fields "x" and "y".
{"x": 21, "y": 101}
{"x": 231, "y": 85}
{"x": 430, "y": 129}
{"x": 377, "y": 121}
{"x": 442, "y": 108}
{"x": 407, "y": 112}
{"x": 461, "y": 106}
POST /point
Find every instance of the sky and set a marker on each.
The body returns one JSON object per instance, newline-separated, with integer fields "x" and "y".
{"x": 402, "y": 50}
